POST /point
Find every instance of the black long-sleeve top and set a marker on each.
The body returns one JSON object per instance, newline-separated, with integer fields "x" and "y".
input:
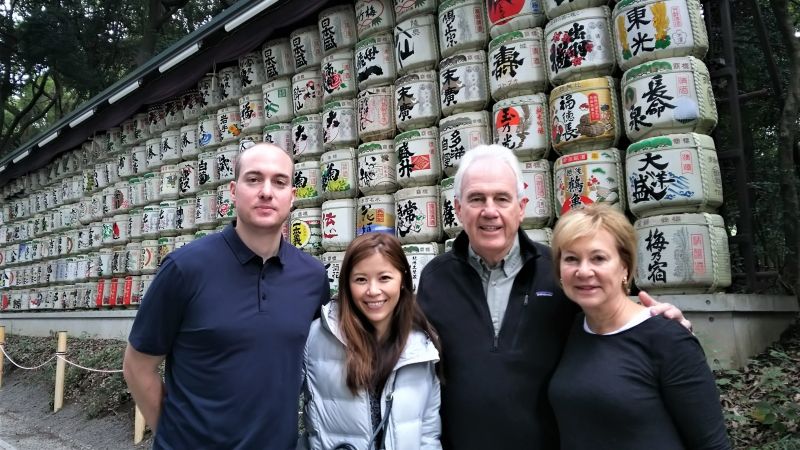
{"x": 646, "y": 387}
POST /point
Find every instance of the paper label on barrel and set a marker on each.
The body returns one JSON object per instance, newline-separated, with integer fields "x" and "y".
{"x": 305, "y": 182}
{"x": 336, "y": 176}
{"x": 276, "y": 57}
{"x": 674, "y": 255}
{"x": 521, "y": 128}
{"x": 304, "y": 233}
{"x": 374, "y": 112}
{"x": 337, "y": 76}
{"x": 277, "y": 104}
{"x": 462, "y": 84}
{"x": 661, "y": 101}
{"x": 579, "y": 43}
{"x": 653, "y": 27}
{"x": 415, "y": 218}
{"x": 374, "y": 61}
{"x": 416, "y": 101}
{"x": 415, "y": 44}
{"x": 339, "y": 126}
{"x": 462, "y": 23}
{"x": 583, "y": 184}
{"x": 307, "y": 96}
{"x": 375, "y": 218}
{"x": 517, "y": 63}
{"x": 502, "y": 11}
{"x": 581, "y": 116}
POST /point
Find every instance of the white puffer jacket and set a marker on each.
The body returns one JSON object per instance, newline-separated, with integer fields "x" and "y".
{"x": 333, "y": 415}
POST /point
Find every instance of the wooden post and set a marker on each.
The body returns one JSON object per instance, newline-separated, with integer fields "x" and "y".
{"x": 58, "y": 401}
{"x": 138, "y": 426}
{"x": 2, "y": 357}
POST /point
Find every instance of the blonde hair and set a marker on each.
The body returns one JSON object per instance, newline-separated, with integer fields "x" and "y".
{"x": 588, "y": 221}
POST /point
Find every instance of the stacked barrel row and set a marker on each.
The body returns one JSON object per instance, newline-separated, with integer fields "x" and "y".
{"x": 377, "y": 105}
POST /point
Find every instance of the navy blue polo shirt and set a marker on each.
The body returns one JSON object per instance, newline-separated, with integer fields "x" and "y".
{"x": 233, "y": 329}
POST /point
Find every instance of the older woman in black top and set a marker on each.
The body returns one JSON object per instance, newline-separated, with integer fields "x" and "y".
{"x": 626, "y": 380}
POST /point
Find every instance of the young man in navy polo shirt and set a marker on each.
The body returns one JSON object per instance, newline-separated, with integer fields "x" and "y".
{"x": 230, "y": 314}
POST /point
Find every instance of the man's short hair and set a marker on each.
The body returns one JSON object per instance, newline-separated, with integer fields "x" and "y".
{"x": 237, "y": 161}
{"x": 491, "y": 152}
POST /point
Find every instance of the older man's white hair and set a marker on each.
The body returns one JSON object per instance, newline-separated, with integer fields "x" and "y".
{"x": 487, "y": 153}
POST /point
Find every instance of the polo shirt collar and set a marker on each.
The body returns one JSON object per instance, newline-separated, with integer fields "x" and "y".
{"x": 242, "y": 251}
{"x": 508, "y": 264}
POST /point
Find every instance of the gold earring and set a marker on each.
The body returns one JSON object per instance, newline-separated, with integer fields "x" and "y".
{"x": 625, "y": 286}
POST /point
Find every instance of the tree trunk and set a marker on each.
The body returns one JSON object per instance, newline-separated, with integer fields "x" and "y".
{"x": 787, "y": 136}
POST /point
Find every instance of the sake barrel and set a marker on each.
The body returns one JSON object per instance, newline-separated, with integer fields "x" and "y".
{"x": 251, "y": 111}
{"x": 166, "y": 218}
{"x": 135, "y": 226}
{"x": 205, "y": 212}
{"x": 338, "y": 223}
{"x": 138, "y": 160}
{"x": 250, "y": 140}
{"x": 307, "y": 182}
{"x": 373, "y": 16}
{"x": 188, "y": 183}
{"x": 337, "y": 28}
{"x": 338, "y": 171}
{"x": 150, "y": 220}
{"x": 208, "y": 136}
{"x": 416, "y": 44}
{"x": 306, "y": 48}
{"x": 191, "y": 105}
{"x": 375, "y": 61}
{"x": 251, "y": 72}
{"x": 173, "y": 113}
{"x": 124, "y": 164}
{"x": 647, "y": 30}
{"x": 226, "y": 209}
{"x": 375, "y": 214}
{"x": 417, "y": 100}
{"x": 376, "y": 119}
{"x": 307, "y": 139}
{"x": 521, "y": 124}
{"x": 305, "y": 231}
{"x": 450, "y": 223}
{"x": 133, "y": 258}
{"x": 100, "y": 175}
{"x": 584, "y": 178}
{"x": 183, "y": 240}
{"x": 333, "y": 265}
{"x": 418, "y": 256}
{"x": 555, "y": 8}
{"x": 279, "y": 134}
{"x": 207, "y": 171}
{"x": 418, "y": 162}
{"x": 404, "y": 9}
{"x": 152, "y": 187}
{"x": 230, "y": 86}
{"x": 114, "y": 144}
{"x": 459, "y": 134}
{"x": 229, "y": 123}
{"x": 417, "y": 214}
{"x": 307, "y": 92}
{"x": 121, "y": 200}
{"x": 185, "y": 210}
{"x": 128, "y": 132}
{"x": 517, "y": 64}
{"x": 278, "y": 58}
{"x": 377, "y": 168}
{"x": 210, "y": 92}
{"x": 339, "y": 127}
{"x": 580, "y": 45}
{"x": 131, "y": 294}
{"x": 338, "y": 75}
{"x": 667, "y": 96}
{"x": 676, "y": 173}
{"x": 462, "y": 26}
{"x": 463, "y": 84}
{"x": 543, "y": 236}
{"x": 505, "y": 17}
{"x": 226, "y": 157}
{"x": 278, "y": 106}
{"x": 539, "y": 191}
{"x": 682, "y": 254}
{"x": 156, "y": 119}
{"x": 170, "y": 186}
{"x": 584, "y": 115}
{"x": 166, "y": 244}
{"x": 138, "y": 196}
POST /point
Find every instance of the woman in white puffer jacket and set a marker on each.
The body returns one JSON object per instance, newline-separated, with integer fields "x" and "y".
{"x": 370, "y": 377}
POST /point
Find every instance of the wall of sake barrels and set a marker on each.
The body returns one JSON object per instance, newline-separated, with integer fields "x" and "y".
{"x": 377, "y": 103}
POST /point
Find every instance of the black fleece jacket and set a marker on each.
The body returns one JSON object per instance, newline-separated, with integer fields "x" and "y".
{"x": 494, "y": 394}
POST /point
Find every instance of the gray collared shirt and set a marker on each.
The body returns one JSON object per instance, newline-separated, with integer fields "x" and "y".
{"x": 497, "y": 281}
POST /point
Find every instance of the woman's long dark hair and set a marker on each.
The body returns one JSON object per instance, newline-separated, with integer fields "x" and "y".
{"x": 370, "y": 362}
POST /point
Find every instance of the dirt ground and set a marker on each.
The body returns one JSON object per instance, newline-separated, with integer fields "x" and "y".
{"x": 27, "y": 421}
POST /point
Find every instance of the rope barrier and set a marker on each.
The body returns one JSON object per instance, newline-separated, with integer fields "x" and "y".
{"x": 59, "y": 356}
{"x": 3, "y": 349}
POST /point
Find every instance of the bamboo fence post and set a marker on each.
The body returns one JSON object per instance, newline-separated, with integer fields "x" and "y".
{"x": 58, "y": 401}
{"x": 138, "y": 426}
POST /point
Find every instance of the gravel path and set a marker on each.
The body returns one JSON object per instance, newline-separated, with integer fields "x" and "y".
{"x": 27, "y": 422}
